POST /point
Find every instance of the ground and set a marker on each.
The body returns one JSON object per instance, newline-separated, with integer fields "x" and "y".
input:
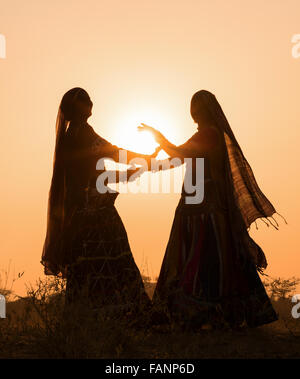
{"x": 35, "y": 328}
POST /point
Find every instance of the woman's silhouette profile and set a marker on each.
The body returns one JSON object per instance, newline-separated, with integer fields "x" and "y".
{"x": 86, "y": 241}
{"x": 209, "y": 272}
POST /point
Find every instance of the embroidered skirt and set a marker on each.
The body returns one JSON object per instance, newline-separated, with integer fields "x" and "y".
{"x": 201, "y": 280}
{"x": 101, "y": 266}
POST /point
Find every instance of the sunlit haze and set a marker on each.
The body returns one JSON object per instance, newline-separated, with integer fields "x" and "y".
{"x": 141, "y": 61}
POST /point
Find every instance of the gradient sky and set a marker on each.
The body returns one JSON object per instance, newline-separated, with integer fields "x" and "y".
{"x": 143, "y": 60}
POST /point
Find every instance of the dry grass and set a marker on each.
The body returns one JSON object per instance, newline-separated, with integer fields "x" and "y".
{"x": 39, "y": 326}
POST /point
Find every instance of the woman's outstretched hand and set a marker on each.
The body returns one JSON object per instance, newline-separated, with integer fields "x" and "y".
{"x": 158, "y": 136}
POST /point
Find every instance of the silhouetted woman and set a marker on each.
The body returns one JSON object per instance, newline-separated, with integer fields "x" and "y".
{"x": 86, "y": 241}
{"x": 209, "y": 272}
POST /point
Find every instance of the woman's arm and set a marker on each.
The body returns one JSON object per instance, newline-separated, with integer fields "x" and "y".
{"x": 198, "y": 145}
{"x": 104, "y": 149}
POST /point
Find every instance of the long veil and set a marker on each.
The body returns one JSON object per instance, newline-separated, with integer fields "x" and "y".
{"x": 55, "y": 213}
{"x": 51, "y": 255}
{"x": 246, "y": 202}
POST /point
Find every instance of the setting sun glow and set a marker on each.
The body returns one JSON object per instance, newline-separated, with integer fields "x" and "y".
{"x": 141, "y": 62}
{"x": 128, "y": 135}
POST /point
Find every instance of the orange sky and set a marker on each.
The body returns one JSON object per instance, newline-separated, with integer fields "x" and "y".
{"x": 152, "y": 56}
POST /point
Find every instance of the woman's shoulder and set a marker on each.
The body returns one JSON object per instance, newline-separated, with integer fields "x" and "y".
{"x": 209, "y": 136}
{"x": 210, "y": 132}
{"x": 95, "y": 137}
{"x": 89, "y": 137}
{"x": 83, "y": 137}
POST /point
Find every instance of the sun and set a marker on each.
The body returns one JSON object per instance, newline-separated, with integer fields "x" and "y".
{"x": 130, "y": 138}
